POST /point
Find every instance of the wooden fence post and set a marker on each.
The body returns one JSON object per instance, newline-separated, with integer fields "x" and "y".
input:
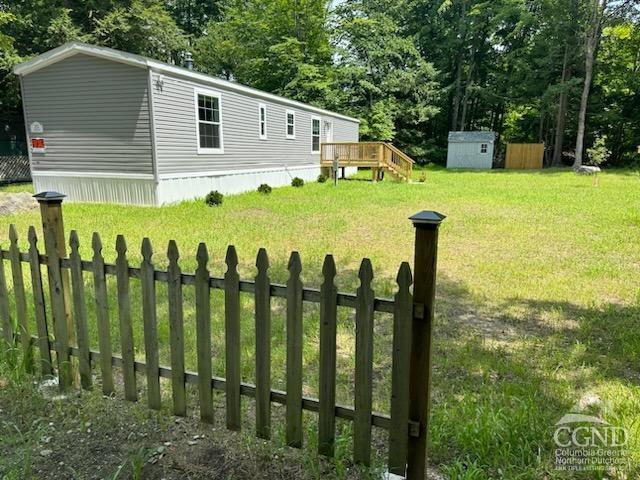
{"x": 52, "y": 222}
{"x": 59, "y": 282}
{"x": 426, "y": 224}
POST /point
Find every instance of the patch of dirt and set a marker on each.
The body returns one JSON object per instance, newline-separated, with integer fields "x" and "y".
{"x": 11, "y": 203}
{"x": 85, "y": 435}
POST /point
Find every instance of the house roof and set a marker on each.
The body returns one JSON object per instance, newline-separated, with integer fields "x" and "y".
{"x": 73, "y": 48}
{"x": 472, "y": 137}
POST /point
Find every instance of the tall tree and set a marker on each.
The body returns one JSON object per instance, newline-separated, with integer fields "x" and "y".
{"x": 592, "y": 38}
{"x": 565, "y": 24}
{"x": 381, "y": 75}
{"x": 192, "y": 16}
{"x": 144, "y": 27}
{"x": 280, "y": 46}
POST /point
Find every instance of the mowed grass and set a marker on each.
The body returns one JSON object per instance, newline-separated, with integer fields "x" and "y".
{"x": 538, "y": 302}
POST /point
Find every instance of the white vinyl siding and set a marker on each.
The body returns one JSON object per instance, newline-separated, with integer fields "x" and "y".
{"x": 315, "y": 134}
{"x": 262, "y": 121}
{"x": 209, "y": 124}
{"x": 469, "y": 155}
{"x": 291, "y": 124}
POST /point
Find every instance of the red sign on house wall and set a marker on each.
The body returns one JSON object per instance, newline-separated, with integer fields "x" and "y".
{"x": 37, "y": 145}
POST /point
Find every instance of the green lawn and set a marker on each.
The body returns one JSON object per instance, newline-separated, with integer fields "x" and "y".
{"x": 538, "y": 303}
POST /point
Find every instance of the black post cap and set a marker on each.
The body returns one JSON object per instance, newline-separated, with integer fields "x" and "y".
{"x": 49, "y": 197}
{"x": 427, "y": 217}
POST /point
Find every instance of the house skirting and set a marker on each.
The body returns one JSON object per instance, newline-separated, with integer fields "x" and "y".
{"x": 130, "y": 190}
{"x": 144, "y": 190}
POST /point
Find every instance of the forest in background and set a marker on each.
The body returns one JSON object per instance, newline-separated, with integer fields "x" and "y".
{"x": 565, "y": 72}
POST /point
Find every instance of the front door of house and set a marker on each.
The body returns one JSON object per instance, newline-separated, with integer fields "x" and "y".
{"x": 328, "y": 131}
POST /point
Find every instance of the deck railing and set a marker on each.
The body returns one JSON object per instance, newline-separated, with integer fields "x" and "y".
{"x": 367, "y": 154}
{"x": 66, "y": 333}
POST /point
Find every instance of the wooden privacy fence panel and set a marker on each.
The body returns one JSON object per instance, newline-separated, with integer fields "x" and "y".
{"x": 408, "y": 314}
{"x": 524, "y": 155}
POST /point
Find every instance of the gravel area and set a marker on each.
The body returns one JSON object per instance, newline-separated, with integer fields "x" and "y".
{"x": 11, "y": 203}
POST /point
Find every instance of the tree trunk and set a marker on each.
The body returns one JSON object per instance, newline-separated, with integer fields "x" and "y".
{"x": 467, "y": 94}
{"x": 562, "y": 112}
{"x": 465, "y": 105}
{"x": 593, "y": 36}
{"x": 462, "y": 26}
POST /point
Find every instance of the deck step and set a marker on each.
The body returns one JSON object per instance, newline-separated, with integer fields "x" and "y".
{"x": 368, "y": 154}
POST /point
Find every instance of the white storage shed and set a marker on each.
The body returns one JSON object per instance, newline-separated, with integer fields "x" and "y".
{"x": 470, "y": 150}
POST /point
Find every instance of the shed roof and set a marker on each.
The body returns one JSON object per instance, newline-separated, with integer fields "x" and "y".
{"x": 472, "y": 137}
{"x": 73, "y": 48}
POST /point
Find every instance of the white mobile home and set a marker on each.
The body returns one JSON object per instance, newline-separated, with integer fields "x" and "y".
{"x": 108, "y": 126}
{"x": 470, "y": 150}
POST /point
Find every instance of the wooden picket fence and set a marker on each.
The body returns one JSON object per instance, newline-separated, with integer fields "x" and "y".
{"x": 407, "y": 422}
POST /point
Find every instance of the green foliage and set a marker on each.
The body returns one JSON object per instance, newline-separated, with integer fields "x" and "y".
{"x": 214, "y": 198}
{"x": 297, "y": 182}
{"x": 281, "y": 46}
{"x": 6, "y": 41}
{"x": 381, "y": 74}
{"x": 322, "y": 178}
{"x": 192, "y": 17}
{"x": 265, "y": 189}
{"x": 62, "y": 30}
{"x": 599, "y": 153}
{"x": 144, "y": 27}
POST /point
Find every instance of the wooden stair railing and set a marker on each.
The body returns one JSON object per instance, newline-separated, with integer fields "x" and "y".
{"x": 368, "y": 154}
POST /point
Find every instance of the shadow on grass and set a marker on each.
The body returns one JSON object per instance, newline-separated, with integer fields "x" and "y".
{"x": 504, "y": 374}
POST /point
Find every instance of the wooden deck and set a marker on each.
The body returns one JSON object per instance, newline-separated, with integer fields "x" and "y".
{"x": 379, "y": 156}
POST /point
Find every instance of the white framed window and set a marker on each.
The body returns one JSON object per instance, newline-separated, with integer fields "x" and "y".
{"x": 262, "y": 121}
{"x": 291, "y": 124}
{"x": 483, "y": 148}
{"x": 315, "y": 134}
{"x": 208, "y": 106}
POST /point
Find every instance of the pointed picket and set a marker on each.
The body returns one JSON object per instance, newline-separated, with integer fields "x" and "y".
{"x": 149, "y": 316}
{"x": 232, "y": 338}
{"x": 402, "y": 317}
{"x": 39, "y": 308}
{"x": 294, "y": 353}
{"x": 203, "y": 329}
{"x": 364, "y": 366}
{"x": 263, "y": 346}
{"x": 176, "y": 331}
{"x": 328, "y": 320}
{"x": 80, "y": 312}
{"x": 20, "y": 298}
{"x": 102, "y": 315}
{"x": 126, "y": 326}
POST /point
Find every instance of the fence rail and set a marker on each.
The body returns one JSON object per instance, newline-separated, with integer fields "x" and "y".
{"x": 405, "y": 431}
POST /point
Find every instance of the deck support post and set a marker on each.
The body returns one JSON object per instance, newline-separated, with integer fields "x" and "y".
{"x": 426, "y": 225}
